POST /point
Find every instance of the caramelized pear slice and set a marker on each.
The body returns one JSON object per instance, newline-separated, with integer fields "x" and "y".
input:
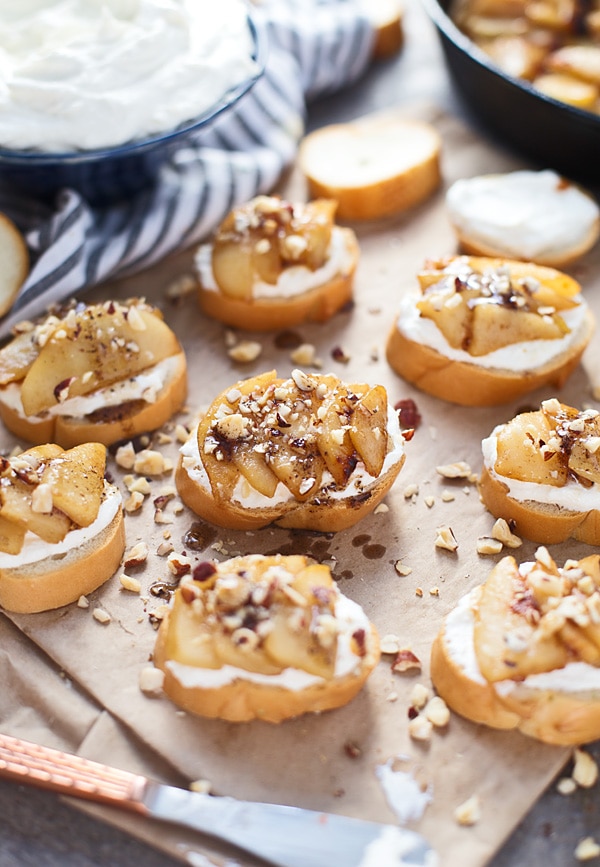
{"x": 450, "y": 312}
{"x": 16, "y": 506}
{"x": 252, "y": 466}
{"x": 12, "y": 535}
{"x": 17, "y": 357}
{"x": 335, "y": 445}
{"x": 77, "y": 482}
{"x": 315, "y": 225}
{"x": 293, "y": 647}
{"x": 94, "y": 349}
{"x": 368, "y": 430}
{"x": 519, "y": 454}
{"x": 507, "y": 644}
{"x": 311, "y": 581}
{"x": 189, "y": 641}
{"x": 301, "y": 473}
{"x": 237, "y": 650}
{"x": 233, "y": 266}
{"x": 494, "y": 327}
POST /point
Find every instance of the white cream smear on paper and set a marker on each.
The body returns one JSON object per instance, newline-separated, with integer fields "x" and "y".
{"x": 250, "y": 498}
{"x": 144, "y": 386}
{"x": 294, "y": 279}
{"x": 524, "y": 214}
{"x": 523, "y": 356}
{"x": 460, "y": 643}
{"x": 403, "y": 793}
{"x": 83, "y": 74}
{"x": 572, "y": 496}
{"x": 350, "y": 617}
{"x": 35, "y": 549}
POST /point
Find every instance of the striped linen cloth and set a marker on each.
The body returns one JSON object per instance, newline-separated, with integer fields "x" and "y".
{"x": 314, "y": 47}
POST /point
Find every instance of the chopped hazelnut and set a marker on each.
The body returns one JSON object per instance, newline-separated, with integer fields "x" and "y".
{"x": 420, "y": 728}
{"x": 129, "y": 583}
{"x": 457, "y": 470}
{"x": 101, "y": 615}
{"x": 469, "y": 812}
{"x": 585, "y": 769}
{"x": 151, "y": 681}
{"x": 136, "y": 555}
{"x": 245, "y": 352}
{"x": 502, "y": 532}
{"x": 486, "y": 545}
{"x": 437, "y": 712}
{"x": 587, "y": 849}
{"x": 446, "y": 539}
{"x": 419, "y": 696}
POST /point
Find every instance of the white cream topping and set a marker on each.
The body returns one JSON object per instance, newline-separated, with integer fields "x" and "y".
{"x": 77, "y": 74}
{"x": 144, "y": 386}
{"x": 35, "y": 549}
{"x": 350, "y": 617}
{"x": 524, "y": 214}
{"x": 294, "y": 279}
{"x": 248, "y": 497}
{"x": 459, "y": 640}
{"x": 523, "y": 356}
{"x": 390, "y": 847}
{"x": 403, "y": 792}
{"x": 572, "y": 496}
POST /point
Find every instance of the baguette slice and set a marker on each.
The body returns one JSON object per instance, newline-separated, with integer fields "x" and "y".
{"x": 458, "y": 375}
{"x": 374, "y": 167}
{"x": 387, "y": 17}
{"x": 556, "y": 703}
{"x": 246, "y": 466}
{"x": 310, "y": 649}
{"x": 15, "y": 262}
{"x": 560, "y": 472}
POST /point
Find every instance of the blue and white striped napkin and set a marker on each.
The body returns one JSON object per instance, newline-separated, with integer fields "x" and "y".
{"x": 314, "y": 47}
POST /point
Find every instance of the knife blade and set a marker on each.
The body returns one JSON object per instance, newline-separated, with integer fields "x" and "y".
{"x": 283, "y": 835}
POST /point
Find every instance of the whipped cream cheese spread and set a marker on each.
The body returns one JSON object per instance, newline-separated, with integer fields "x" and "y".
{"x": 35, "y": 549}
{"x": 294, "y": 279}
{"x": 350, "y": 617}
{"x": 144, "y": 386}
{"x": 572, "y": 496}
{"x": 524, "y": 214}
{"x": 250, "y": 498}
{"x": 526, "y": 355}
{"x": 459, "y": 640}
{"x": 82, "y": 74}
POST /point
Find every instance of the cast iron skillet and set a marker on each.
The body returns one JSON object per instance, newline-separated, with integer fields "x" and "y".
{"x": 551, "y": 133}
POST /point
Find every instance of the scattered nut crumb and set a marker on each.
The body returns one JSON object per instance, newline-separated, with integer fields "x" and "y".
{"x": 381, "y": 509}
{"x": 566, "y": 786}
{"x": 181, "y": 433}
{"x": 585, "y": 769}
{"x": 101, "y": 615}
{"x": 502, "y": 532}
{"x": 137, "y": 484}
{"x": 245, "y": 351}
{"x": 448, "y": 497}
{"x": 339, "y": 354}
{"x": 352, "y": 750}
{"x": 457, "y": 470}
{"x": 445, "y": 538}
{"x": 401, "y": 569}
{"x": 203, "y": 787}
{"x": 420, "y": 728}
{"x": 437, "y": 712}
{"x": 136, "y": 555}
{"x": 486, "y": 545}
{"x": 405, "y": 661}
{"x": 305, "y": 355}
{"x": 164, "y": 548}
{"x": 419, "y": 696}
{"x": 130, "y": 583}
{"x": 429, "y": 501}
{"x": 469, "y": 812}
{"x": 180, "y": 287}
{"x": 134, "y": 502}
{"x": 411, "y": 491}
{"x": 151, "y": 680}
{"x": 179, "y": 564}
{"x": 125, "y": 456}
{"x": 419, "y": 592}
{"x": 390, "y": 643}
{"x": 587, "y": 849}
{"x": 83, "y": 602}
{"x": 434, "y": 591}
{"x": 150, "y": 462}
{"x": 391, "y": 697}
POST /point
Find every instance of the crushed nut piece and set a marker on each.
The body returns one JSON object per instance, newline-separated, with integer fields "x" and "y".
{"x": 130, "y": 583}
{"x": 149, "y": 462}
{"x": 164, "y": 548}
{"x": 390, "y": 643}
{"x": 83, "y": 602}
{"x": 429, "y": 501}
{"x": 419, "y": 696}
{"x": 448, "y": 497}
{"x": 305, "y": 355}
{"x": 587, "y": 849}
{"x": 469, "y": 812}
{"x": 437, "y": 712}
{"x": 419, "y": 592}
{"x": 457, "y": 470}
{"x": 125, "y": 456}
{"x": 179, "y": 564}
{"x": 446, "y": 539}
{"x": 352, "y": 749}
{"x": 134, "y": 502}
{"x": 486, "y": 545}
{"x": 566, "y": 786}
{"x": 204, "y": 787}
{"x": 502, "y": 532}
{"x": 245, "y": 351}
{"x": 420, "y": 728}
{"x": 434, "y": 591}
{"x": 101, "y": 615}
{"x": 585, "y": 769}
{"x": 136, "y": 556}
{"x": 151, "y": 680}
{"x": 411, "y": 491}
{"x": 406, "y": 660}
{"x": 401, "y": 569}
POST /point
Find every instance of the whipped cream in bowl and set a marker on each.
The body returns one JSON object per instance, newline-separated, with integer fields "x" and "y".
{"x": 95, "y": 95}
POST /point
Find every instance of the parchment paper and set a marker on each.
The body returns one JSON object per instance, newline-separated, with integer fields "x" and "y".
{"x": 305, "y": 761}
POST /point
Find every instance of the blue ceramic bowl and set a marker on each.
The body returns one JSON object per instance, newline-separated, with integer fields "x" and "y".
{"x": 109, "y": 174}
{"x": 550, "y": 133}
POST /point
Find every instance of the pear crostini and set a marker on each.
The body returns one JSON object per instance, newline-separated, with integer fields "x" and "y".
{"x": 92, "y": 372}
{"x": 486, "y": 331}
{"x": 263, "y": 637}
{"x": 61, "y": 526}
{"x": 308, "y": 452}
{"x": 541, "y": 472}
{"x": 522, "y": 650}
{"x": 273, "y": 264}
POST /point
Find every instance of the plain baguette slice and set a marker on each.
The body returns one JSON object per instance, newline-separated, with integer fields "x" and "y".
{"x": 15, "y": 262}
{"x": 386, "y": 16}
{"x": 375, "y": 167}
